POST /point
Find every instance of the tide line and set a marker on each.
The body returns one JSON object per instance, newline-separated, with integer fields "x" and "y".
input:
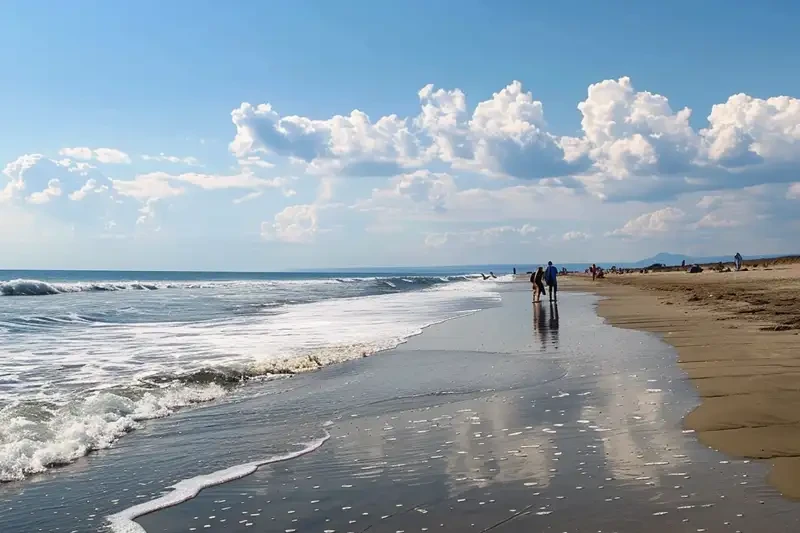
{"x": 123, "y": 522}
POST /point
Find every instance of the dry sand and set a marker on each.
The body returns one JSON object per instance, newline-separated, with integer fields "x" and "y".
{"x": 738, "y": 338}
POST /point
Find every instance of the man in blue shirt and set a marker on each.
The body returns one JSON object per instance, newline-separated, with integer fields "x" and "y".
{"x": 551, "y": 279}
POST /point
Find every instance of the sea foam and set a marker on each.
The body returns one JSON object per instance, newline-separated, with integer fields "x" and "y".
{"x": 34, "y": 438}
{"x": 123, "y": 522}
{"x": 80, "y": 372}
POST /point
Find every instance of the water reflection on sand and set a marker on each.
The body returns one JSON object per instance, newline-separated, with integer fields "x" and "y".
{"x": 597, "y": 446}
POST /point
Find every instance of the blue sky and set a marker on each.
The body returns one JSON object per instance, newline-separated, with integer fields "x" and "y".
{"x": 197, "y": 135}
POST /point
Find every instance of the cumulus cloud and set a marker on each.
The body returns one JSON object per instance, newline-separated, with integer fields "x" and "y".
{"x": 53, "y": 190}
{"x": 91, "y": 186}
{"x": 351, "y": 145}
{"x": 656, "y": 222}
{"x": 295, "y": 224}
{"x": 103, "y": 155}
{"x": 632, "y": 143}
{"x": 745, "y": 131}
{"x": 162, "y": 157}
{"x": 44, "y": 176}
{"x": 486, "y": 236}
{"x": 15, "y": 172}
{"x": 506, "y": 134}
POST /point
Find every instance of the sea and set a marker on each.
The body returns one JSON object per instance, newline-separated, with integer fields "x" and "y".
{"x": 86, "y": 357}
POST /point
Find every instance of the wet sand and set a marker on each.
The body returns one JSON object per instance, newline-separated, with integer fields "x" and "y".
{"x": 531, "y": 418}
{"x": 516, "y": 418}
{"x": 737, "y": 337}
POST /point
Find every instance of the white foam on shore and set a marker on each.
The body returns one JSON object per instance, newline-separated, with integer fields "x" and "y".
{"x": 123, "y": 522}
{"x": 71, "y": 390}
{"x": 34, "y": 438}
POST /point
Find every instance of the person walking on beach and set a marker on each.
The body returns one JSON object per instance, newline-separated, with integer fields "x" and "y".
{"x": 737, "y": 261}
{"x": 551, "y": 278}
{"x": 594, "y": 271}
{"x": 538, "y": 286}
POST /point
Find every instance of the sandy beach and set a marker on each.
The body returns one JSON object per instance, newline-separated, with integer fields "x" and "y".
{"x": 737, "y": 335}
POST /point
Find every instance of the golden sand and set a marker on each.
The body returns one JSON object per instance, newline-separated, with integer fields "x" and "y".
{"x": 737, "y": 335}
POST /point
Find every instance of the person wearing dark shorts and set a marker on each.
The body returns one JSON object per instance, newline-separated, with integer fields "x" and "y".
{"x": 551, "y": 278}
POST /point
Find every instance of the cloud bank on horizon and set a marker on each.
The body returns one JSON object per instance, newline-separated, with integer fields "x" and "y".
{"x": 454, "y": 183}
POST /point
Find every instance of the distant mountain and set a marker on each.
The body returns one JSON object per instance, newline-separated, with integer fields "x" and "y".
{"x": 668, "y": 259}
{"x": 665, "y": 258}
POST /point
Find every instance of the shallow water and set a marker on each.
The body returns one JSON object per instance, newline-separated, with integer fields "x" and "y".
{"x": 86, "y": 359}
{"x": 509, "y": 418}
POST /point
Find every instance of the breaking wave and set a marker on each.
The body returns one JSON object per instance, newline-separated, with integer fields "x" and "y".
{"x": 79, "y": 373}
{"x": 35, "y": 436}
{"x": 35, "y": 287}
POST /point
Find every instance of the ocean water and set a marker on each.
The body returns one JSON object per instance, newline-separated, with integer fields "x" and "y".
{"x": 86, "y": 357}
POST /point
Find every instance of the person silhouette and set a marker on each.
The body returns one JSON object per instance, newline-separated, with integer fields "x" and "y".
{"x": 551, "y": 279}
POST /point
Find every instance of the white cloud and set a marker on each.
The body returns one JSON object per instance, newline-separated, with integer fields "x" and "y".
{"x": 111, "y": 155}
{"x": 77, "y": 153}
{"x": 163, "y": 185}
{"x": 35, "y": 172}
{"x": 628, "y": 133}
{"x": 255, "y": 161}
{"x": 53, "y": 190}
{"x": 243, "y": 180}
{"x": 15, "y": 172}
{"x": 350, "y": 144}
{"x": 746, "y": 130}
{"x": 714, "y": 220}
{"x": 247, "y": 197}
{"x": 429, "y": 190}
{"x": 651, "y": 223}
{"x": 486, "y": 236}
{"x": 794, "y": 191}
{"x": 295, "y": 224}
{"x": 575, "y": 236}
{"x": 147, "y": 212}
{"x": 90, "y": 186}
{"x": 146, "y": 187}
{"x": 103, "y": 155}
{"x": 425, "y": 195}
{"x": 162, "y": 157}
{"x": 632, "y": 145}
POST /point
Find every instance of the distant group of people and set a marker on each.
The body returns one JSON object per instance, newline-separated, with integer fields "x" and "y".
{"x": 545, "y": 276}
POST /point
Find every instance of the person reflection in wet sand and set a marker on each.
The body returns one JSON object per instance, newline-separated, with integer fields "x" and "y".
{"x": 553, "y": 324}
{"x": 540, "y": 324}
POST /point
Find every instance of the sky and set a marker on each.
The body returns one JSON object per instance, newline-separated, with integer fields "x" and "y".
{"x": 262, "y": 136}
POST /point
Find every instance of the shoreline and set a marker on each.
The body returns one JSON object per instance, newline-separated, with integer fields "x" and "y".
{"x": 746, "y": 371}
{"x": 517, "y": 418}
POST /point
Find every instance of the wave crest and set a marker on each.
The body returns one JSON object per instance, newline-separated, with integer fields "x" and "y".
{"x": 35, "y": 287}
{"x": 35, "y": 437}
